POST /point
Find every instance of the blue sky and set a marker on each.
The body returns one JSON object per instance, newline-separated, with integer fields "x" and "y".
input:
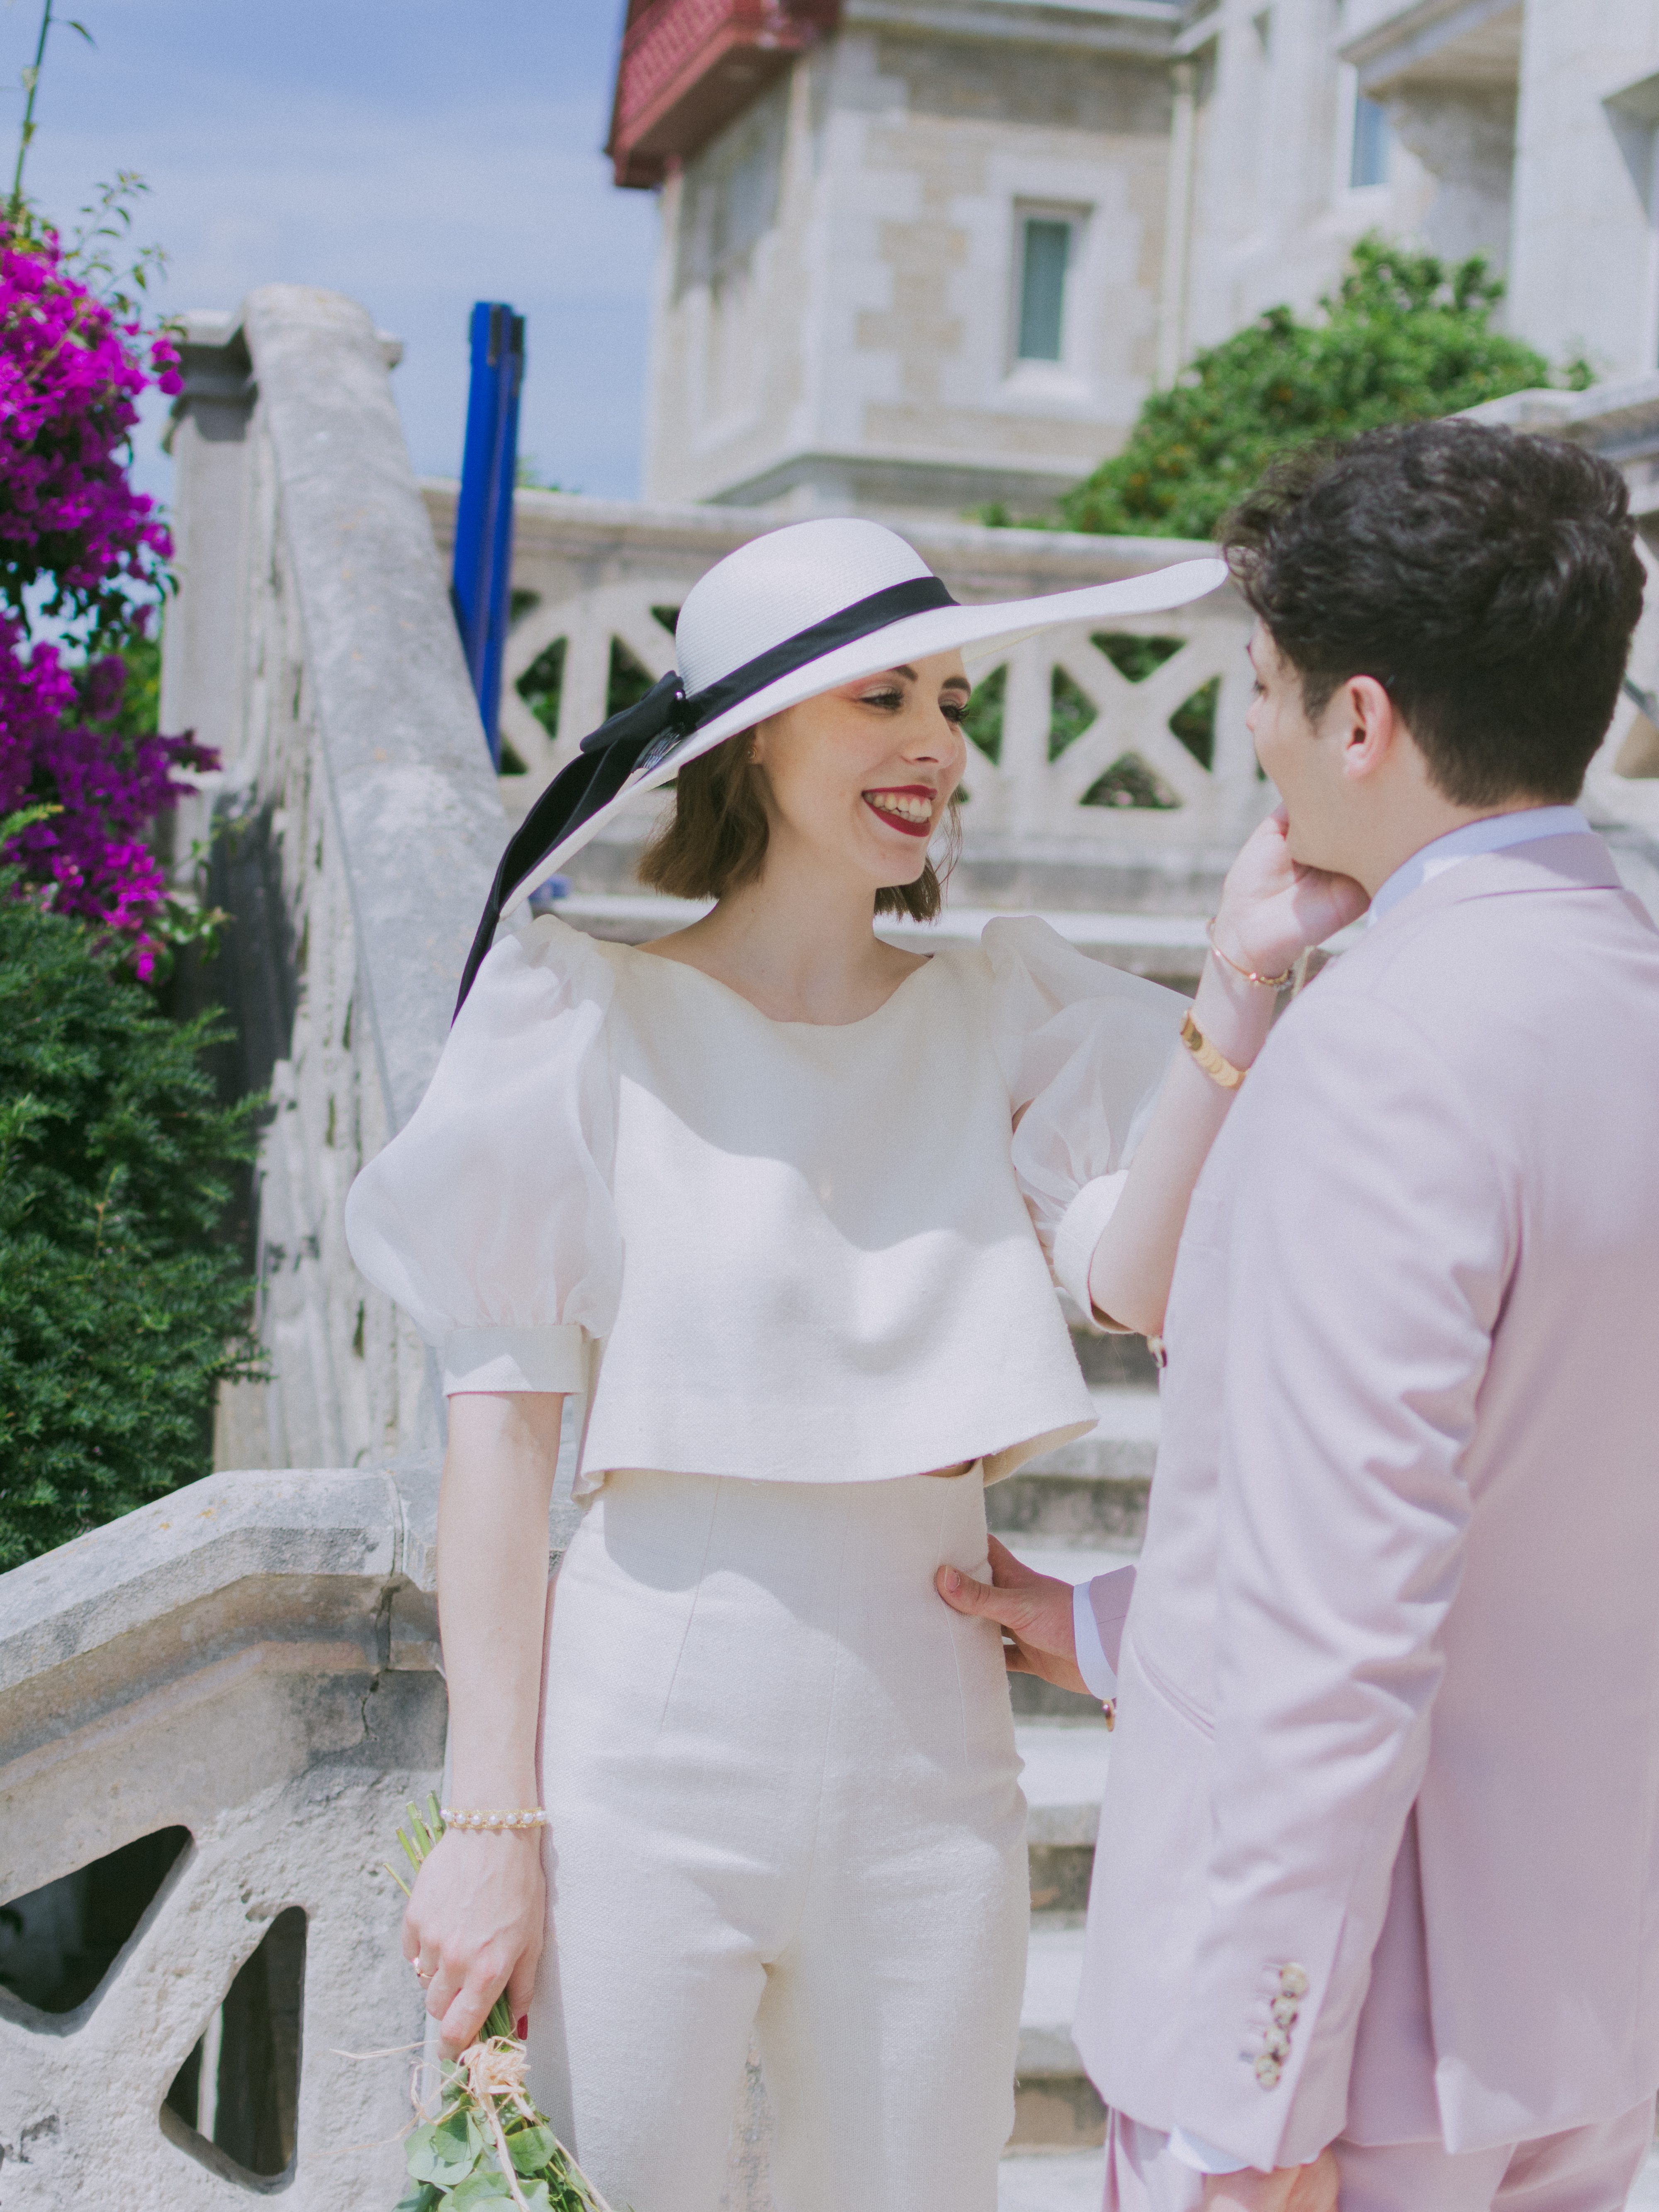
{"x": 417, "y": 155}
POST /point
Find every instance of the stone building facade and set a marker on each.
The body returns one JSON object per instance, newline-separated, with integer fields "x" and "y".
{"x": 924, "y": 254}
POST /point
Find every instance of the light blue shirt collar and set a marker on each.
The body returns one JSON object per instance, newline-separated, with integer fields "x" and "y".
{"x": 1492, "y": 834}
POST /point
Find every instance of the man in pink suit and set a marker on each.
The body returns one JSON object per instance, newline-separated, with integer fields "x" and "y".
{"x": 1376, "y": 1886}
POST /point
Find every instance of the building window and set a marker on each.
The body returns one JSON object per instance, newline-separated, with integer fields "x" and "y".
{"x": 1369, "y": 163}
{"x": 1045, "y": 251}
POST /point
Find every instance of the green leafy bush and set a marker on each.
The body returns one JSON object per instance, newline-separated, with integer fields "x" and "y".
{"x": 1406, "y": 338}
{"x": 122, "y": 1306}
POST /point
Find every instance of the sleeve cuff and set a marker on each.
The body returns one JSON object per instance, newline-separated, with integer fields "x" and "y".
{"x": 1203, "y": 2157}
{"x": 1095, "y": 1668}
{"x": 1079, "y": 1231}
{"x": 1109, "y": 1598}
{"x": 552, "y": 1359}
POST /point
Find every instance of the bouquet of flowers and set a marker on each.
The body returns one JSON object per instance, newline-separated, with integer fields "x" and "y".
{"x": 489, "y": 2146}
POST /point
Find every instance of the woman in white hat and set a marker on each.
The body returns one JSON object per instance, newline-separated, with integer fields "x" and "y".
{"x": 781, "y": 1202}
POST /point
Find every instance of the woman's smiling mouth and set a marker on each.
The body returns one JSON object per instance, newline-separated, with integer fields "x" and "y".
{"x": 909, "y": 810}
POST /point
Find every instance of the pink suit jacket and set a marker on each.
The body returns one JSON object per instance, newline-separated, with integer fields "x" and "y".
{"x": 1380, "y": 1847}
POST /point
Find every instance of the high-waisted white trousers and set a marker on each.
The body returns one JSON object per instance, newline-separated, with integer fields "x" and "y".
{"x": 783, "y": 1801}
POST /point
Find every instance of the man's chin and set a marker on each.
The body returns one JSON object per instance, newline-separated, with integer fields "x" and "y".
{"x": 1304, "y": 848}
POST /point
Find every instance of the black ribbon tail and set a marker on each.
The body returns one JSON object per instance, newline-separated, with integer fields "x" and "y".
{"x": 575, "y": 795}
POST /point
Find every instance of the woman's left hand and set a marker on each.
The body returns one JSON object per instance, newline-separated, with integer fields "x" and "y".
{"x": 1272, "y": 908}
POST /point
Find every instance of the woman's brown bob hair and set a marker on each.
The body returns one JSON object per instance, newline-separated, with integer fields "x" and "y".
{"x": 714, "y": 841}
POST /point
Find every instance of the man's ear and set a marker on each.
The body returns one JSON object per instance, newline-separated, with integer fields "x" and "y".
{"x": 1367, "y": 723}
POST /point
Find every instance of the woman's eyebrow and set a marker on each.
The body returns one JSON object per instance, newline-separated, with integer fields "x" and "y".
{"x": 955, "y": 683}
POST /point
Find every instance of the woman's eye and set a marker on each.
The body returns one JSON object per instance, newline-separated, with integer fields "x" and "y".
{"x": 954, "y": 710}
{"x": 888, "y": 699}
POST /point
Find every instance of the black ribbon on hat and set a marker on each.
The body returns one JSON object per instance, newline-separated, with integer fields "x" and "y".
{"x": 646, "y": 734}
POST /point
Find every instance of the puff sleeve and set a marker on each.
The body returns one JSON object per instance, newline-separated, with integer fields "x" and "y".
{"x": 489, "y": 1219}
{"x": 1084, "y": 1048}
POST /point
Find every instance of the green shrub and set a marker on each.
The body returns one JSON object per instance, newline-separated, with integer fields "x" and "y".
{"x": 1404, "y": 339}
{"x": 122, "y": 1306}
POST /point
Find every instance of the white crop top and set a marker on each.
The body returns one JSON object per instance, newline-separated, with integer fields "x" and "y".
{"x": 777, "y": 1249}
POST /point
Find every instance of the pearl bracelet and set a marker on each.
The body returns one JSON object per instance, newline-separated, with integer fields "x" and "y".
{"x": 532, "y": 1816}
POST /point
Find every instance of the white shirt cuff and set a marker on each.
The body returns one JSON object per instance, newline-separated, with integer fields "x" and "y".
{"x": 1079, "y": 1231}
{"x": 552, "y": 1359}
{"x": 1095, "y": 1668}
{"x": 1203, "y": 2157}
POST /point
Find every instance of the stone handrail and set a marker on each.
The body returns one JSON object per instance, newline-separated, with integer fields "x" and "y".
{"x": 313, "y": 643}
{"x": 249, "y": 1660}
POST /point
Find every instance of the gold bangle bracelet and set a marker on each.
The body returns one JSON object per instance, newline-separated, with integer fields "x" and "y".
{"x": 1267, "y": 983}
{"x": 1219, "y": 1070}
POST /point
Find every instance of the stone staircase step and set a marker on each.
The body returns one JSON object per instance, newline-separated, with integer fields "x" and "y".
{"x": 1128, "y": 1431}
{"x": 1091, "y": 1494}
{"x": 1053, "y": 1972}
{"x": 1065, "y": 1773}
{"x": 1055, "y": 2103}
{"x": 1066, "y": 1763}
{"x": 1164, "y": 945}
{"x": 1051, "y": 2181}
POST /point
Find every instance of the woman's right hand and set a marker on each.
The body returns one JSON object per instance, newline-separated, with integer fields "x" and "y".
{"x": 475, "y": 1926}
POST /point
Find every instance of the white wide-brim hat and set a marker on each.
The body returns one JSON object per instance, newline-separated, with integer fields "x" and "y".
{"x": 792, "y": 614}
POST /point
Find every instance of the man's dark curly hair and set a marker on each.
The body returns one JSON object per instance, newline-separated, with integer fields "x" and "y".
{"x": 1490, "y": 581}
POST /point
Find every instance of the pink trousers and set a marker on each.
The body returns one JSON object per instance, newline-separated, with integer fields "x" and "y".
{"x": 1585, "y": 2170}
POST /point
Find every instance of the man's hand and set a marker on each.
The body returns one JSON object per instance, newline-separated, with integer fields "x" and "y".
{"x": 1274, "y": 908}
{"x": 1033, "y": 1609}
{"x": 1292, "y": 2189}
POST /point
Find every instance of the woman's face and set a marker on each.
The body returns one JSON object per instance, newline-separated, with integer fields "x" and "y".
{"x": 860, "y": 778}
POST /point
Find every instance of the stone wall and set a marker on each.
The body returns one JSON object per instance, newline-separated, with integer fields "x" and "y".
{"x": 839, "y": 270}
{"x": 834, "y": 324}
{"x": 1582, "y": 270}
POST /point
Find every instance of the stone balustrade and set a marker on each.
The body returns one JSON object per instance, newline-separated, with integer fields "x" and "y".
{"x": 240, "y": 1674}
{"x": 598, "y": 583}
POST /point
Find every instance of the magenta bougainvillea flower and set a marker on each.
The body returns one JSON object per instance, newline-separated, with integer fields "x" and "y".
{"x": 84, "y": 552}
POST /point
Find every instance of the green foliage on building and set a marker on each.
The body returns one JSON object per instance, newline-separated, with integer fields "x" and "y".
{"x": 1406, "y": 338}
{"x": 122, "y": 1304}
